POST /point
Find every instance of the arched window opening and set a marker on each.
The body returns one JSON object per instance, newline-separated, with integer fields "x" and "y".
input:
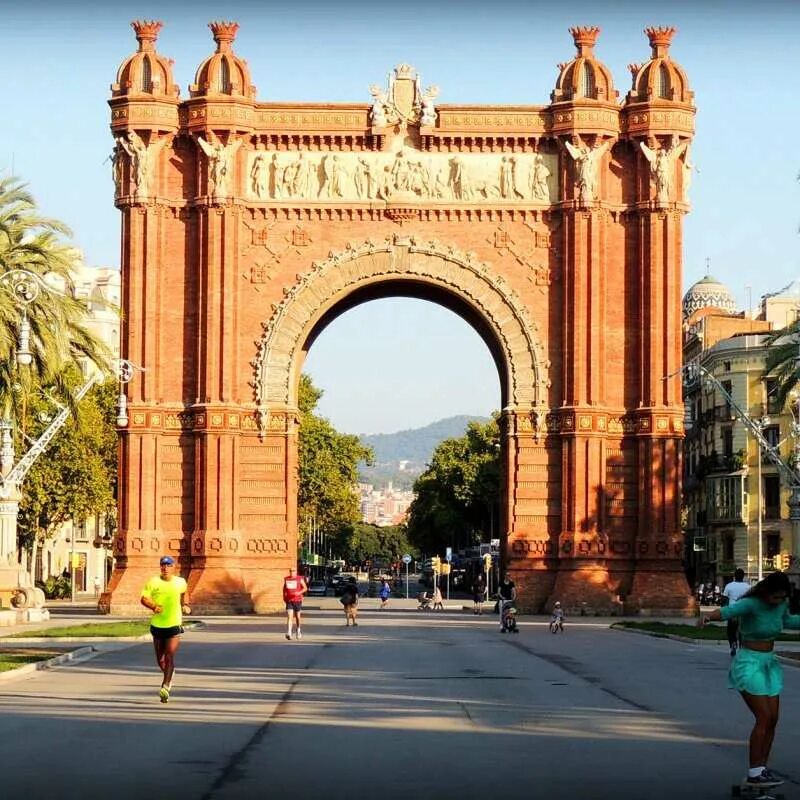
{"x": 224, "y": 75}
{"x": 587, "y": 81}
{"x": 663, "y": 82}
{"x": 147, "y": 75}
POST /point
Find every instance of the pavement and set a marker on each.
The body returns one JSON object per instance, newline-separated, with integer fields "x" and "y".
{"x": 407, "y": 704}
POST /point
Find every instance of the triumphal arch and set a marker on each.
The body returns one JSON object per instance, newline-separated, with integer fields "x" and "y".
{"x": 555, "y": 230}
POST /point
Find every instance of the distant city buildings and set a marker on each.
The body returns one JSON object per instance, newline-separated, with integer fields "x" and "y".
{"x": 728, "y": 484}
{"x": 387, "y": 506}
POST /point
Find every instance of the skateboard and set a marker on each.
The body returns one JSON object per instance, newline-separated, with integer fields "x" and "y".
{"x": 747, "y": 790}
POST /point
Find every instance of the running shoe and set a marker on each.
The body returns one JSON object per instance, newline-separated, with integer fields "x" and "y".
{"x": 163, "y": 694}
{"x": 289, "y": 637}
{"x": 766, "y": 779}
{"x": 299, "y": 634}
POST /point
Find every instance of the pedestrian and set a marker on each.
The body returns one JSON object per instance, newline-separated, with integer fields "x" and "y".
{"x": 478, "y": 593}
{"x": 733, "y": 591}
{"x": 166, "y": 596}
{"x": 763, "y": 612}
{"x": 507, "y": 592}
{"x": 294, "y": 587}
{"x": 557, "y": 618}
{"x": 385, "y": 593}
{"x": 96, "y": 586}
{"x": 349, "y": 600}
{"x": 438, "y": 605}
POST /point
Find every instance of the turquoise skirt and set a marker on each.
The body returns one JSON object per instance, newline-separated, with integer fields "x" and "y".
{"x": 755, "y": 672}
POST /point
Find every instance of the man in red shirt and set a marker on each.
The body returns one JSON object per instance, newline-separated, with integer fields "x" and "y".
{"x": 294, "y": 587}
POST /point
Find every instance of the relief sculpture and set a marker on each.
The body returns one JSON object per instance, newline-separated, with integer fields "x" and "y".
{"x": 407, "y": 174}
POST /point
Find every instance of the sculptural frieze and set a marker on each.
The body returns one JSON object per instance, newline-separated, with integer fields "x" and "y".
{"x": 405, "y": 175}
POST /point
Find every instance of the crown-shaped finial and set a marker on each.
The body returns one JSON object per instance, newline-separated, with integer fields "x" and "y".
{"x": 660, "y": 39}
{"x": 224, "y": 33}
{"x": 404, "y": 71}
{"x": 146, "y": 31}
{"x": 585, "y": 37}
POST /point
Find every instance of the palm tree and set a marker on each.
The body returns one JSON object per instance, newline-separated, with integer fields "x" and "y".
{"x": 59, "y": 338}
{"x": 783, "y": 360}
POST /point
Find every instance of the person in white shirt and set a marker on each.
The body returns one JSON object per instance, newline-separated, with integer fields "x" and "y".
{"x": 733, "y": 591}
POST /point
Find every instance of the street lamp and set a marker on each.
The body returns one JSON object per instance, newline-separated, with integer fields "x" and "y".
{"x": 125, "y": 371}
{"x": 760, "y": 424}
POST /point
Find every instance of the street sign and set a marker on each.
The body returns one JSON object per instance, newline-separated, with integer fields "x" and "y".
{"x": 406, "y": 559}
{"x": 448, "y": 554}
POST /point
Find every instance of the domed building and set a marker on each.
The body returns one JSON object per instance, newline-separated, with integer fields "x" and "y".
{"x": 708, "y": 293}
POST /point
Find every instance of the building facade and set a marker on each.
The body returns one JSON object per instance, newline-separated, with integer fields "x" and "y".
{"x": 554, "y": 230}
{"x": 728, "y": 482}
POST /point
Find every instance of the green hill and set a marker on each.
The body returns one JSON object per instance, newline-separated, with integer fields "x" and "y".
{"x": 400, "y": 457}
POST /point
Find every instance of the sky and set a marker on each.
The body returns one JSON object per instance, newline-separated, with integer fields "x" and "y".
{"x": 741, "y": 58}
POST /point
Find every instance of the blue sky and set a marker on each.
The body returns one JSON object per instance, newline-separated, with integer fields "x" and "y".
{"x": 742, "y": 61}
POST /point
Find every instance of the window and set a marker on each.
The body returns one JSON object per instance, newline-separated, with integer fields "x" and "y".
{"x": 772, "y": 497}
{"x": 772, "y": 433}
{"x": 773, "y": 407}
{"x": 147, "y": 77}
{"x": 727, "y": 442}
{"x": 726, "y": 365}
{"x": 587, "y": 81}
{"x": 663, "y": 82}
{"x": 727, "y": 547}
{"x": 224, "y": 75}
{"x": 772, "y": 544}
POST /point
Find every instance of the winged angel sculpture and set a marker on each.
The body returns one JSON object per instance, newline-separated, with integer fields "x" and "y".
{"x": 220, "y": 164}
{"x": 662, "y": 166}
{"x": 587, "y": 161}
{"x": 142, "y": 159}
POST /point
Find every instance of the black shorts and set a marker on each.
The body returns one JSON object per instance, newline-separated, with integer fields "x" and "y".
{"x": 166, "y": 633}
{"x": 291, "y": 606}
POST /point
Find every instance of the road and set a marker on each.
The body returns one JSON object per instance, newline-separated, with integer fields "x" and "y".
{"x": 406, "y": 705}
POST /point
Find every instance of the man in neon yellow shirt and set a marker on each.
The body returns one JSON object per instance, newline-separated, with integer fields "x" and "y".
{"x": 165, "y": 595}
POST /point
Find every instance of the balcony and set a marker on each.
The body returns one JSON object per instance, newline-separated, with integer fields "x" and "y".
{"x": 716, "y": 464}
{"x": 726, "y": 500}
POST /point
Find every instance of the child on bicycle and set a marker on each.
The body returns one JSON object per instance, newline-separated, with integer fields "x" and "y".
{"x": 557, "y": 620}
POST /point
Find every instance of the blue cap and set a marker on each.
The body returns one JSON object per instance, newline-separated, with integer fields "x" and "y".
{"x": 166, "y": 560}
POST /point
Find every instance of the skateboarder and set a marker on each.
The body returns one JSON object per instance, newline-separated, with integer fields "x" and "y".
{"x": 763, "y": 612}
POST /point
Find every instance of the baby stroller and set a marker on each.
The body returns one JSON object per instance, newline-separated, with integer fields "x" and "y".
{"x": 508, "y": 617}
{"x": 424, "y": 602}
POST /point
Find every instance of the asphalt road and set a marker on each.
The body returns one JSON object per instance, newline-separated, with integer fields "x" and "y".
{"x": 407, "y": 705}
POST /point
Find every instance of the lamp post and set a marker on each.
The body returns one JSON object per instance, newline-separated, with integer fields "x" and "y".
{"x": 760, "y": 424}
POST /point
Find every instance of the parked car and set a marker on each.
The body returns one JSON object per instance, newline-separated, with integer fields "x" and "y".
{"x": 317, "y": 589}
{"x": 339, "y": 588}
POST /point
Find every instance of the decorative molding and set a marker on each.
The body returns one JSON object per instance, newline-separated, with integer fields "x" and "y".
{"x": 399, "y": 256}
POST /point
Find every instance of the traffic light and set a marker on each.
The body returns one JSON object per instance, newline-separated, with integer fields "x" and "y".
{"x": 445, "y": 569}
{"x": 487, "y": 561}
{"x": 785, "y": 561}
{"x": 436, "y": 565}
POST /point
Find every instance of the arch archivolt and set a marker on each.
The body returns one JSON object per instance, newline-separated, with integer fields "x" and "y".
{"x": 328, "y": 282}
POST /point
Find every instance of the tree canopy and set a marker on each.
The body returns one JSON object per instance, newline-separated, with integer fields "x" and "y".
{"x": 327, "y": 470}
{"x": 459, "y": 492}
{"x": 782, "y": 361}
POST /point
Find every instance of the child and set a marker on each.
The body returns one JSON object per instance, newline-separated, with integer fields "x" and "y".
{"x": 557, "y": 620}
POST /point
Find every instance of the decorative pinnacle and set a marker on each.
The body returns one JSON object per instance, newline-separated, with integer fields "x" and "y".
{"x": 585, "y": 37}
{"x": 146, "y": 31}
{"x": 224, "y": 33}
{"x": 660, "y": 39}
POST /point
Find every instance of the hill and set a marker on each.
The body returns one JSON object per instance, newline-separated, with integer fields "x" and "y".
{"x": 400, "y": 457}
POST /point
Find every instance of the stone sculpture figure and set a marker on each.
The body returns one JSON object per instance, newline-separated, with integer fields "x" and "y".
{"x": 364, "y": 179}
{"x": 141, "y": 160}
{"x": 386, "y": 185}
{"x": 335, "y": 176}
{"x": 587, "y": 161}
{"x": 460, "y": 183}
{"x": 662, "y": 166}
{"x": 401, "y": 172}
{"x": 688, "y": 169}
{"x": 116, "y": 167}
{"x": 301, "y": 186}
{"x": 220, "y": 164}
{"x": 428, "y": 110}
{"x": 259, "y": 176}
{"x": 378, "y": 111}
{"x": 539, "y": 187}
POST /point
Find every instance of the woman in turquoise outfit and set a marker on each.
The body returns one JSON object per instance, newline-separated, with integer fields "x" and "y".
{"x": 755, "y": 671}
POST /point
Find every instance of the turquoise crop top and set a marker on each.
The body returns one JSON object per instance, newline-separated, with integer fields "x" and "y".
{"x": 759, "y": 621}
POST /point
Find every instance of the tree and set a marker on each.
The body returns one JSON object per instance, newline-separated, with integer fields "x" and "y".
{"x": 328, "y": 468}
{"x": 457, "y": 495}
{"x": 59, "y": 338}
{"x": 77, "y": 477}
{"x": 783, "y": 360}
{"x": 361, "y": 541}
